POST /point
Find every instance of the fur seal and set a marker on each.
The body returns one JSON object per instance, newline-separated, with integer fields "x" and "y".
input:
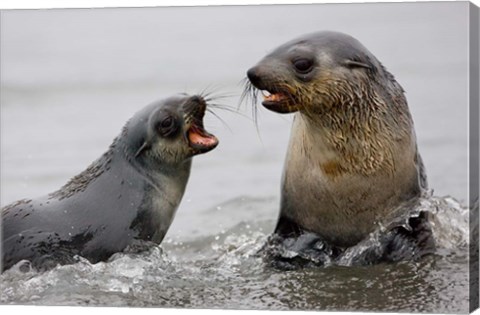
{"x": 352, "y": 161}
{"x": 130, "y": 193}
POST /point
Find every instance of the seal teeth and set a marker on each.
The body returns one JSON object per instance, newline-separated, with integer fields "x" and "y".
{"x": 265, "y": 93}
{"x": 267, "y": 96}
{"x": 276, "y": 97}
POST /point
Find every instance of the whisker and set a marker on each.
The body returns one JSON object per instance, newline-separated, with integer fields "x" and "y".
{"x": 211, "y": 93}
{"x": 219, "y": 118}
{"x": 207, "y": 91}
{"x": 250, "y": 94}
{"x": 247, "y": 92}
{"x": 222, "y": 106}
{"x": 228, "y": 109}
{"x": 215, "y": 97}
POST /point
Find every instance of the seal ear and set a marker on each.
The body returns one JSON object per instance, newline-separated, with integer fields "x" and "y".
{"x": 356, "y": 64}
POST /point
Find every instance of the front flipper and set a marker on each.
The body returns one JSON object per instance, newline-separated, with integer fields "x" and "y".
{"x": 291, "y": 247}
{"x": 407, "y": 240}
{"x": 411, "y": 241}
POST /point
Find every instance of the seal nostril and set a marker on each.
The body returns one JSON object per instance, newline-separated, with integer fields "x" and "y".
{"x": 196, "y": 99}
{"x": 253, "y": 76}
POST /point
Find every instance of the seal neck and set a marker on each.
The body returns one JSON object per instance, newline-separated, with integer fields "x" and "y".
{"x": 352, "y": 137}
{"x": 155, "y": 172}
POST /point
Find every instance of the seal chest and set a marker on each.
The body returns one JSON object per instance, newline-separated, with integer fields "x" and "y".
{"x": 352, "y": 159}
{"x": 130, "y": 193}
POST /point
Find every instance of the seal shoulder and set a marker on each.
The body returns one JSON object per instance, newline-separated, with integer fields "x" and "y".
{"x": 81, "y": 181}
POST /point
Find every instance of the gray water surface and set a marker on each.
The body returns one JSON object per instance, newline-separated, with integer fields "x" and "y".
{"x": 70, "y": 79}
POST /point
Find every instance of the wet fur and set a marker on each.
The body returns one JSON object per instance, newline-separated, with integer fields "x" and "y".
{"x": 352, "y": 159}
{"x": 129, "y": 194}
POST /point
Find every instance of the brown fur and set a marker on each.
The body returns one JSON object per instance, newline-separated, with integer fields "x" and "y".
{"x": 352, "y": 158}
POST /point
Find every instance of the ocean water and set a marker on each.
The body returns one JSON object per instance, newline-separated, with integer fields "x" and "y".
{"x": 70, "y": 79}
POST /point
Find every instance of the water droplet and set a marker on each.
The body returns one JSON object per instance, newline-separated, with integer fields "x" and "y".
{"x": 217, "y": 238}
{"x": 219, "y": 208}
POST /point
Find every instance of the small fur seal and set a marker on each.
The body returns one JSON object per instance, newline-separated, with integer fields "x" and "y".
{"x": 130, "y": 193}
{"x": 352, "y": 163}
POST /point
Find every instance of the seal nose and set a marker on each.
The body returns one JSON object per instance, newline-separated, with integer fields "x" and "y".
{"x": 196, "y": 99}
{"x": 195, "y": 102}
{"x": 253, "y": 76}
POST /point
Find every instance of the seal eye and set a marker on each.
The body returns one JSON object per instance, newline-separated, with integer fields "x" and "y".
{"x": 167, "y": 122}
{"x": 167, "y": 127}
{"x": 303, "y": 65}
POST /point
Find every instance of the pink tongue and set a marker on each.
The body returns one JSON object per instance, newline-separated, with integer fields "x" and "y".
{"x": 197, "y": 138}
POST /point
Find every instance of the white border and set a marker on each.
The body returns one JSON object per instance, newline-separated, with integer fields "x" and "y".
{"x": 46, "y": 4}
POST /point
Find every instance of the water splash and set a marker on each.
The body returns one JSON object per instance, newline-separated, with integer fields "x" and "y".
{"x": 417, "y": 228}
{"x": 224, "y": 270}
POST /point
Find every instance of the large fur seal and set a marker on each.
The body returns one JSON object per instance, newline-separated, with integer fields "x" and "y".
{"x": 352, "y": 162}
{"x": 130, "y": 193}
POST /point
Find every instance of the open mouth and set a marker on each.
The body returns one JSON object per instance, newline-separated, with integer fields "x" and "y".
{"x": 199, "y": 139}
{"x": 277, "y": 101}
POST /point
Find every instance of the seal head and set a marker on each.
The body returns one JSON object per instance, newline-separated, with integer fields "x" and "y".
{"x": 167, "y": 133}
{"x": 327, "y": 65}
